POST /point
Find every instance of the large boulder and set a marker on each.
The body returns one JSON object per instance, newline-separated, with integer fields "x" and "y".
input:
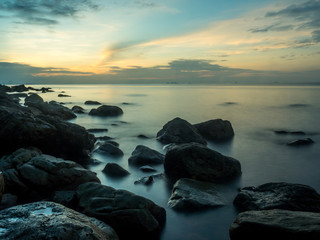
{"x": 132, "y": 216}
{"x": 110, "y": 149}
{"x": 179, "y": 131}
{"x": 51, "y": 135}
{"x": 33, "y": 98}
{"x": 114, "y": 170}
{"x": 48, "y": 220}
{"x": 4, "y": 88}
{"x": 215, "y": 130}
{"x": 188, "y": 194}
{"x": 10, "y": 101}
{"x": 288, "y": 196}
{"x": 28, "y": 171}
{"x": 276, "y": 224}
{"x": 106, "y": 111}
{"x": 196, "y": 161}
{"x": 143, "y": 155}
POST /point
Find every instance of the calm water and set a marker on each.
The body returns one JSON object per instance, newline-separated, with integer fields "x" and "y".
{"x": 255, "y": 112}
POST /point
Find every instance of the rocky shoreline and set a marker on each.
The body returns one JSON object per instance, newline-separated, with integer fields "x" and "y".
{"x": 43, "y": 178}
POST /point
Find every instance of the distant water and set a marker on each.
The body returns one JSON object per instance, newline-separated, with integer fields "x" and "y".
{"x": 255, "y": 113}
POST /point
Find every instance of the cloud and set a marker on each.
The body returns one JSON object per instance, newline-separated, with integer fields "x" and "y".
{"x": 41, "y": 12}
{"x": 274, "y": 27}
{"x": 316, "y": 36}
{"x": 146, "y": 4}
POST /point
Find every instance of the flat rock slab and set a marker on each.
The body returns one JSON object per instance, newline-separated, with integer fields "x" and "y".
{"x": 48, "y": 220}
{"x": 281, "y": 195}
{"x": 276, "y": 224}
{"x": 189, "y": 194}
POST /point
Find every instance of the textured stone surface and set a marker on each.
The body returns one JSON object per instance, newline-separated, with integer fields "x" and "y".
{"x": 216, "y": 129}
{"x": 143, "y": 155}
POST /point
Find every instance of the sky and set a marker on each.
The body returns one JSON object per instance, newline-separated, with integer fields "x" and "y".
{"x": 160, "y": 41}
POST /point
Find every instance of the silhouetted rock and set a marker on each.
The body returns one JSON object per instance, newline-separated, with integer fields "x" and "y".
{"x": 67, "y": 198}
{"x": 114, "y": 170}
{"x": 92, "y": 103}
{"x": 4, "y": 88}
{"x": 284, "y": 132}
{"x": 77, "y": 109}
{"x": 106, "y": 111}
{"x": 276, "y": 224}
{"x": 215, "y": 130}
{"x": 179, "y": 131}
{"x": 19, "y": 88}
{"x": 1, "y": 185}
{"x": 196, "y": 161}
{"x": 132, "y": 216}
{"x": 19, "y": 95}
{"x": 143, "y": 155}
{"x": 301, "y": 142}
{"x": 188, "y": 194}
{"x": 63, "y": 95}
{"x": 281, "y": 195}
{"x": 33, "y": 98}
{"x": 7, "y": 100}
{"x": 48, "y": 220}
{"x": 142, "y": 136}
{"x": 28, "y": 171}
{"x": 8, "y": 200}
{"x": 147, "y": 168}
{"x": 110, "y": 149}
{"x": 97, "y": 130}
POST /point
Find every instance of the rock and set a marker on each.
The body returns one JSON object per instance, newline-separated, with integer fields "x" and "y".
{"x": 179, "y": 131}
{"x": 287, "y": 196}
{"x": 77, "y": 109}
{"x": 106, "y": 111}
{"x": 19, "y": 95}
{"x": 19, "y": 88}
{"x": 284, "y": 132}
{"x": 53, "y": 136}
{"x": 97, "y": 130}
{"x": 196, "y": 161}
{"x": 143, "y": 155}
{"x": 189, "y": 194}
{"x": 48, "y": 220}
{"x": 132, "y": 216}
{"x": 92, "y": 103}
{"x": 215, "y": 130}
{"x": 149, "y": 179}
{"x": 104, "y": 138}
{"x": 147, "y": 168}
{"x": 142, "y": 136}
{"x": 4, "y": 88}
{"x": 66, "y": 198}
{"x": 114, "y": 170}
{"x": 1, "y": 185}
{"x": 276, "y": 224}
{"x": 110, "y": 149}
{"x": 28, "y": 171}
{"x": 63, "y": 95}
{"x": 33, "y": 98}
{"x": 301, "y": 142}
{"x": 8, "y": 200}
{"x": 7, "y": 100}
{"x": 114, "y": 143}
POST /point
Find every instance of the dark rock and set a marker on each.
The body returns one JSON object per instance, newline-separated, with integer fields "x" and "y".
{"x": 33, "y": 98}
{"x": 1, "y": 185}
{"x": 19, "y": 88}
{"x": 66, "y": 198}
{"x": 179, "y": 131}
{"x": 142, "y": 136}
{"x": 143, "y": 155}
{"x": 8, "y": 200}
{"x": 19, "y": 95}
{"x": 287, "y": 196}
{"x": 215, "y": 130}
{"x": 92, "y": 103}
{"x": 77, "y": 109}
{"x": 104, "y": 138}
{"x": 48, "y": 220}
{"x": 276, "y": 224}
{"x": 114, "y": 170}
{"x": 113, "y": 143}
{"x": 284, "y": 132}
{"x": 301, "y": 142}
{"x": 189, "y": 194}
{"x": 147, "y": 168}
{"x": 51, "y": 135}
{"x": 4, "y": 88}
{"x": 149, "y": 179}
{"x": 26, "y": 171}
{"x": 110, "y": 149}
{"x": 97, "y": 130}
{"x": 196, "y": 161}
{"x": 63, "y": 95}
{"x": 132, "y": 216}
{"x": 106, "y": 111}
{"x": 7, "y": 100}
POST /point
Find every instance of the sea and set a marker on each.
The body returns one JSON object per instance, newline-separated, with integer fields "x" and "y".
{"x": 255, "y": 113}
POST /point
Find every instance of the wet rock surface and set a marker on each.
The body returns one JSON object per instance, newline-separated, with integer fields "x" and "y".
{"x": 114, "y": 170}
{"x": 215, "y": 130}
{"x": 143, "y": 155}
{"x": 106, "y": 111}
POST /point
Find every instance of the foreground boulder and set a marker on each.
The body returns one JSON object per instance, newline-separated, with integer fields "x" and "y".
{"x": 106, "y": 111}
{"x": 28, "y": 172}
{"x": 53, "y": 136}
{"x": 143, "y": 155}
{"x": 48, "y": 220}
{"x": 281, "y": 195}
{"x": 215, "y": 130}
{"x": 196, "y": 161}
{"x": 276, "y": 224}
{"x": 188, "y": 194}
{"x": 132, "y": 216}
{"x": 179, "y": 131}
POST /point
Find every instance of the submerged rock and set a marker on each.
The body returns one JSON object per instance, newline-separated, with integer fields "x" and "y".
{"x": 276, "y": 224}
{"x": 288, "y": 196}
{"x": 63, "y": 95}
{"x": 110, "y": 149}
{"x": 89, "y": 102}
{"x": 132, "y": 216}
{"x": 143, "y": 155}
{"x": 114, "y": 170}
{"x": 189, "y": 194}
{"x": 284, "y": 132}
{"x": 148, "y": 180}
{"x": 196, "y": 161}
{"x": 106, "y": 111}
{"x": 215, "y": 130}
{"x": 147, "y": 168}
{"x": 77, "y": 109}
{"x": 301, "y": 142}
{"x": 179, "y": 131}
{"x": 97, "y": 130}
{"x": 48, "y": 220}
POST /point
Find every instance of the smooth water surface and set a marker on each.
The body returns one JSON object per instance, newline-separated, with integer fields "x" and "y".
{"x": 254, "y": 111}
